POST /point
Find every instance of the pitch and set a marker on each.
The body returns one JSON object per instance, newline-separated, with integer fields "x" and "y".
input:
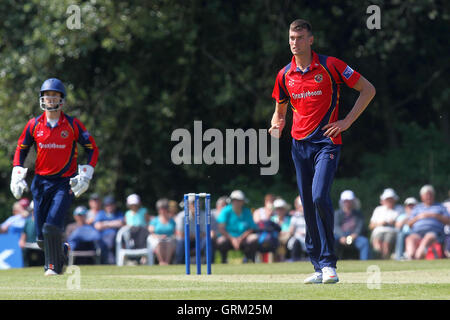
{"x": 279, "y": 281}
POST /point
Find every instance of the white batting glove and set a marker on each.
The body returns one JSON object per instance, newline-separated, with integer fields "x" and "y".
{"x": 18, "y": 183}
{"x": 80, "y": 183}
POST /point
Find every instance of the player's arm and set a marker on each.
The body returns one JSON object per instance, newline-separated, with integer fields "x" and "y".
{"x": 278, "y": 119}
{"x": 366, "y": 93}
{"x": 281, "y": 96}
{"x": 18, "y": 184}
{"x": 80, "y": 183}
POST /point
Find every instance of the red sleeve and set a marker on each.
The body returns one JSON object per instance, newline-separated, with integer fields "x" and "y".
{"x": 343, "y": 73}
{"x": 280, "y": 93}
{"x": 87, "y": 141}
{"x": 26, "y": 140}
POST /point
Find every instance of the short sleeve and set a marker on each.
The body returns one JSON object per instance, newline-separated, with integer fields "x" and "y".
{"x": 97, "y": 217}
{"x": 280, "y": 93}
{"x": 345, "y": 73}
{"x": 179, "y": 222}
{"x": 375, "y": 215}
{"x": 222, "y": 218}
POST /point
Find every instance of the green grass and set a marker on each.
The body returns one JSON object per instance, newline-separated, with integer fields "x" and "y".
{"x": 399, "y": 280}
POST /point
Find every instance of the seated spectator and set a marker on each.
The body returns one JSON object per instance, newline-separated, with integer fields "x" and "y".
{"x": 349, "y": 225}
{"x": 15, "y": 223}
{"x": 173, "y": 208}
{"x": 162, "y": 233}
{"x": 179, "y": 253}
{"x": 81, "y": 235}
{"x": 264, "y": 213}
{"x": 108, "y": 222}
{"x": 237, "y": 228}
{"x": 402, "y": 227}
{"x": 269, "y": 238}
{"x": 382, "y": 223}
{"x": 220, "y": 204}
{"x": 297, "y": 230}
{"x": 95, "y": 205}
{"x": 31, "y": 256}
{"x": 427, "y": 222}
{"x": 282, "y": 217}
{"x": 138, "y": 218}
{"x": 446, "y": 204}
{"x": 136, "y": 215}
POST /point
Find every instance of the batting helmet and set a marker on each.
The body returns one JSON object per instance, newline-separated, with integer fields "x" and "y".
{"x": 52, "y": 84}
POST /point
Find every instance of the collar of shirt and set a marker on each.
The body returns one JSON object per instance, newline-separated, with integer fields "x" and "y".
{"x": 314, "y": 64}
{"x": 61, "y": 120}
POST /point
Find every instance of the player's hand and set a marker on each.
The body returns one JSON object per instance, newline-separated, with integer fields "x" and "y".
{"x": 18, "y": 183}
{"x": 80, "y": 183}
{"x": 276, "y": 128}
{"x": 335, "y": 128}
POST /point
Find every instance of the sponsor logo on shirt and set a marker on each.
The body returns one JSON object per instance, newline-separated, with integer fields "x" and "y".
{"x": 347, "y": 72}
{"x": 51, "y": 146}
{"x": 306, "y": 94}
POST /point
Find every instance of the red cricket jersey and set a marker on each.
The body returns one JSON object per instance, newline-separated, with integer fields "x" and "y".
{"x": 314, "y": 95}
{"x": 56, "y": 148}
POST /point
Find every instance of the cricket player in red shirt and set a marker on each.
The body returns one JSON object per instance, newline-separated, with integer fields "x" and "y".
{"x": 310, "y": 82}
{"x": 55, "y": 136}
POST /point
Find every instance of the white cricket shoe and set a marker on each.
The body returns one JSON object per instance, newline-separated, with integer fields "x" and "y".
{"x": 315, "y": 278}
{"x": 50, "y": 272}
{"x": 329, "y": 275}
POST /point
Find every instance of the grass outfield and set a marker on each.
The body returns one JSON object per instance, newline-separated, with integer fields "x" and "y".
{"x": 399, "y": 280}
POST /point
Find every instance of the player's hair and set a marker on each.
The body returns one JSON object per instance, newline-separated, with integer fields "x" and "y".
{"x": 300, "y": 24}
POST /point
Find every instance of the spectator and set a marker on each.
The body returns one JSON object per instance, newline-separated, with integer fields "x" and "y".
{"x": 29, "y": 231}
{"x": 282, "y": 217}
{"x": 264, "y": 213}
{"x": 179, "y": 253}
{"x": 95, "y": 205}
{"x": 81, "y": 235}
{"x": 446, "y": 204}
{"x": 237, "y": 228}
{"x": 173, "y": 208}
{"x": 15, "y": 223}
{"x": 136, "y": 215}
{"x": 108, "y": 222}
{"x": 382, "y": 223}
{"x": 31, "y": 256}
{"x": 402, "y": 227}
{"x": 138, "y": 218}
{"x": 427, "y": 222}
{"x": 162, "y": 233}
{"x": 349, "y": 225}
{"x": 220, "y": 204}
{"x": 297, "y": 230}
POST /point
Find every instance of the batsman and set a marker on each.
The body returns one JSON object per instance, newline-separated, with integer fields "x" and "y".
{"x": 58, "y": 178}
